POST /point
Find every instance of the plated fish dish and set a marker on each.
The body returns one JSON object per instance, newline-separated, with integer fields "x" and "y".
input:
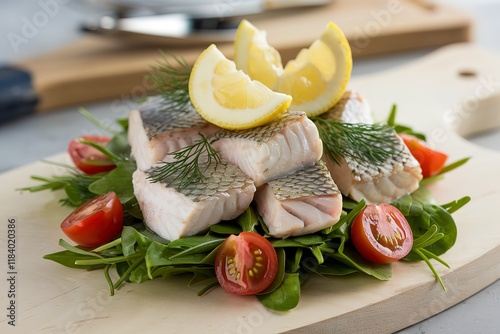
{"x": 254, "y": 181}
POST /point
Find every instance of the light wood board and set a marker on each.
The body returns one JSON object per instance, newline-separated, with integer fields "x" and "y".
{"x": 55, "y": 299}
{"x": 98, "y": 68}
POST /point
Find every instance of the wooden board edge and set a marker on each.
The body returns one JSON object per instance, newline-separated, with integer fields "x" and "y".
{"x": 461, "y": 284}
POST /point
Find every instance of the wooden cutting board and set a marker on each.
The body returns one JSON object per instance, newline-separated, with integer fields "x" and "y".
{"x": 97, "y": 67}
{"x": 452, "y": 92}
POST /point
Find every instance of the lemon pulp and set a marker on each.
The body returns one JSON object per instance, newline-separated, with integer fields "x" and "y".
{"x": 227, "y": 97}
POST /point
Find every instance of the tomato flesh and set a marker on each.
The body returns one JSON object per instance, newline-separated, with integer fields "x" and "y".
{"x": 381, "y": 233}
{"x": 431, "y": 161}
{"x": 96, "y": 222}
{"x": 88, "y": 159}
{"x": 246, "y": 264}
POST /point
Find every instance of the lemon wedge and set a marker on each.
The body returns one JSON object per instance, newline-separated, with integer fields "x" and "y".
{"x": 254, "y": 56}
{"x": 316, "y": 78}
{"x": 228, "y": 98}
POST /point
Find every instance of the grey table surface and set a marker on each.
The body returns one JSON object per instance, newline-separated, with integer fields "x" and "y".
{"x": 35, "y": 137}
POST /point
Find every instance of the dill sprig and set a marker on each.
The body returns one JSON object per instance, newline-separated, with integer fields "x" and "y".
{"x": 75, "y": 184}
{"x": 369, "y": 144}
{"x": 171, "y": 80}
{"x": 188, "y": 166}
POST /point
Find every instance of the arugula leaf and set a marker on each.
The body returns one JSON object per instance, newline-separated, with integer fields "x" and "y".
{"x": 195, "y": 244}
{"x": 347, "y": 255}
{"x": 434, "y": 229}
{"x": 248, "y": 220}
{"x": 285, "y": 297}
{"x": 226, "y": 228}
{"x": 294, "y": 261}
{"x": 281, "y": 272}
{"x": 133, "y": 241}
{"x": 399, "y": 128}
{"x": 445, "y": 169}
{"x": 422, "y": 217}
{"x": 118, "y": 180}
{"x": 453, "y": 165}
{"x": 330, "y": 267}
{"x": 68, "y": 258}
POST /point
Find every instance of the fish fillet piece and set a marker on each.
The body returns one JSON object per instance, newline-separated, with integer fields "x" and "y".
{"x": 351, "y": 108}
{"x": 280, "y": 147}
{"x": 300, "y": 203}
{"x": 225, "y": 194}
{"x": 157, "y": 128}
{"x": 398, "y": 175}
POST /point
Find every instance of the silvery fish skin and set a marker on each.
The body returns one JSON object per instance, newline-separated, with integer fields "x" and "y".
{"x": 397, "y": 176}
{"x": 172, "y": 213}
{"x": 156, "y": 129}
{"x": 351, "y": 108}
{"x": 280, "y": 147}
{"x": 304, "y": 202}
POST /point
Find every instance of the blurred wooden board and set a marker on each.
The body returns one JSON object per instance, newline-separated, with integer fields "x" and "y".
{"x": 98, "y": 67}
{"x": 452, "y": 92}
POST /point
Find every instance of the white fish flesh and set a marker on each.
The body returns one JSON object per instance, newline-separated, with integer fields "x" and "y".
{"x": 171, "y": 213}
{"x": 278, "y": 148}
{"x": 300, "y": 203}
{"x": 398, "y": 175}
{"x": 157, "y": 128}
{"x": 351, "y": 108}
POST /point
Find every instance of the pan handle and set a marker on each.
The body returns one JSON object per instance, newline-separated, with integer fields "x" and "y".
{"x": 17, "y": 95}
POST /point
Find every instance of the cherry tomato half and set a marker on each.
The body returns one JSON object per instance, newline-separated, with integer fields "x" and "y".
{"x": 88, "y": 159}
{"x": 381, "y": 234}
{"x": 246, "y": 264}
{"x": 96, "y": 222}
{"x": 431, "y": 161}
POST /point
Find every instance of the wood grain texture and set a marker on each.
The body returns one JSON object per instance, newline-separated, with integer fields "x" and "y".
{"x": 100, "y": 68}
{"x": 431, "y": 95}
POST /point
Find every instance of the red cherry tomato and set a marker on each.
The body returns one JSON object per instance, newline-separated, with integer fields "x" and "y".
{"x": 431, "y": 161}
{"x": 246, "y": 264}
{"x": 88, "y": 159}
{"x": 96, "y": 222}
{"x": 381, "y": 234}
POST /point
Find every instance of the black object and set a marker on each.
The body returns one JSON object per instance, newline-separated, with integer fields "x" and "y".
{"x": 17, "y": 95}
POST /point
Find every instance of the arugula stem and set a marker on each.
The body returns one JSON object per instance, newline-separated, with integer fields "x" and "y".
{"x": 453, "y": 165}
{"x": 433, "y": 256}
{"x": 108, "y": 280}
{"x": 110, "y": 260}
{"x": 109, "y": 245}
{"x": 127, "y": 273}
{"x": 347, "y": 218}
{"x": 96, "y": 122}
{"x": 209, "y": 287}
{"x": 80, "y": 251}
{"x": 113, "y": 157}
{"x": 455, "y": 205}
{"x": 431, "y": 267}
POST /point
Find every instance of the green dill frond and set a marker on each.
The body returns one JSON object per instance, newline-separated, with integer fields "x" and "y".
{"x": 171, "y": 80}
{"x": 75, "y": 185}
{"x": 369, "y": 144}
{"x": 188, "y": 166}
